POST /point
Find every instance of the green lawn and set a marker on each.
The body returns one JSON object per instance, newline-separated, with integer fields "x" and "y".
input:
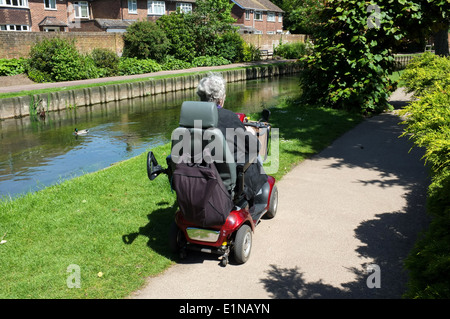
{"x": 113, "y": 223}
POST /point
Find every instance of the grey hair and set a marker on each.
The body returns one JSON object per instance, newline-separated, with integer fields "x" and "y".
{"x": 212, "y": 88}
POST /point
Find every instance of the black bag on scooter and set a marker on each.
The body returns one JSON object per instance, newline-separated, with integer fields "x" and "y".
{"x": 201, "y": 194}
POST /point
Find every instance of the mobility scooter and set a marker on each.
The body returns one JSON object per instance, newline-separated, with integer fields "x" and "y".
{"x": 231, "y": 236}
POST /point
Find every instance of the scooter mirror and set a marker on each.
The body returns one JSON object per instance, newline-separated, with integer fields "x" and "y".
{"x": 265, "y": 115}
{"x": 153, "y": 168}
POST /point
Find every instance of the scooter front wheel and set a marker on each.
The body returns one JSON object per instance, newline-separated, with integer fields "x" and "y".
{"x": 242, "y": 244}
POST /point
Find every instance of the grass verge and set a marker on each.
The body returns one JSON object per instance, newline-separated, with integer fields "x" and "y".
{"x": 113, "y": 223}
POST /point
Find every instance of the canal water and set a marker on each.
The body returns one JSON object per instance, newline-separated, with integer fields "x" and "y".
{"x": 36, "y": 152}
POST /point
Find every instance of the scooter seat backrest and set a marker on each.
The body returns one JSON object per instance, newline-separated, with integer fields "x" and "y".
{"x": 201, "y": 140}
{"x": 199, "y": 114}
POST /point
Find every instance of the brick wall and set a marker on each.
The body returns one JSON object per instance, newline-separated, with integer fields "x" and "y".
{"x": 270, "y": 41}
{"x": 17, "y": 44}
{"x": 14, "y": 16}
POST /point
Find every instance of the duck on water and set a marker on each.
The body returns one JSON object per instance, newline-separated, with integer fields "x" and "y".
{"x": 80, "y": 132}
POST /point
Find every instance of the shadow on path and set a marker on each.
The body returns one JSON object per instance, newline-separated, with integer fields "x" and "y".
{"x": 386, "y": 239}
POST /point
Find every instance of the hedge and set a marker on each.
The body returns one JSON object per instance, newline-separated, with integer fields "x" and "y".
{"x": 427, "y": 121}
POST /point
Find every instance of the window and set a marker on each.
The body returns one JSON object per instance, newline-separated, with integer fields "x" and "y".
{"x": 132, "y": 6}
{"x": 184, "y": 7}
{"x": 156, "y": 7}
{"x": 81, "y": 9}
{"x": 14, "y": 3}
{"x": 50, "y": 4}
{"x": 51, "y": 29}
{"x": 258, "y": 15}
{"x": 271, "y": 16}
{"x": 247, "y": 14}
{"x": 280, "y": 17}
{"x": 14, "y": 27}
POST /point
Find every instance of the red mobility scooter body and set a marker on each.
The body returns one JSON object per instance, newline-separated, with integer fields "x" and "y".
{"x": 235, "y": 235}
{"x": 221, "y": 239}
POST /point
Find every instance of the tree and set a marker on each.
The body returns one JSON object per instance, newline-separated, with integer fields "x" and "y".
{"x": 210, "y": 18}
{"x": 207, "y": 30}
{"x": 179, "y": 30}
{"x": 436, "y": 22}
{"x": 352, "y": 57}
{"x": 300, "y": 16}
{"x": 145, "y": 40}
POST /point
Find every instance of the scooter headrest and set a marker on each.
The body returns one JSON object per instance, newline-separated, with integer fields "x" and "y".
{"x": 203, "y": 113}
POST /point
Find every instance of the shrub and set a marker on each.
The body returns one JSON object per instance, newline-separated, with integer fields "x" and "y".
{"x": 70, "y": 67}
{"x": 39, "y": 76}
{"x": 171, "y": 63}
{"x": 424, "y": 71}
{"x": 53, "y": 60}
{"x": 427, "y": 121}
{"x": 292, "y": 50}
{"x": 178, "y": 29}
{"x": 12, "y": 66}
{"x": 106, "y": 61}
{"x": 209, "y": 61}
{"x": 251, "y": 53}
{"x": 130, "y": 66}
{"x": 230, "y": 46}
{"x": 145, "y": 40}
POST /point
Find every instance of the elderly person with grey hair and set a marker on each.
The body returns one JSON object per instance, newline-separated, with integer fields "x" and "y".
{"x": 212, "y": 88}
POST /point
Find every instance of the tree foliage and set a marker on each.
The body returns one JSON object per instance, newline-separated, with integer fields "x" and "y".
{"x": 145, "y": 40}
{"x": 206, "y": 31}
{"x": 210, "y": 19}
{"x": 56, "y": 59}
{"x": 435, "y": 21}
{"x": 181, "y": 34}
{"x": 352, "y": 57}
{"x": 300, "y": 16}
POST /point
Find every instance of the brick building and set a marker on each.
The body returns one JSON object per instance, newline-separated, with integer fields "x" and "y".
{"x": 253, "y": 16}
{"x": 258, "y": 16}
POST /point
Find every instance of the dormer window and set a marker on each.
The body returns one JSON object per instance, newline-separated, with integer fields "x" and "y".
{"x": 81, "y": 9}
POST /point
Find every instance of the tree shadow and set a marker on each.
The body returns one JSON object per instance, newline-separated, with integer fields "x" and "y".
{"x": 386, "y": 239}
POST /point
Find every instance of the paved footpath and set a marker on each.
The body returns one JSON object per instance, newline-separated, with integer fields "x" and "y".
{"x": 360, "y": 201}
{"x": 39, "y": 86}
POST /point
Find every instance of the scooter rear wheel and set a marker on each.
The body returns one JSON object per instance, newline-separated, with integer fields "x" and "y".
{"x": 273, "y": 204}
{"x": 242, "y": 244}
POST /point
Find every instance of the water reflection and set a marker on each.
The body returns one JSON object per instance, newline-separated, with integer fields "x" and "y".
{"x": 36, "y": 152}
